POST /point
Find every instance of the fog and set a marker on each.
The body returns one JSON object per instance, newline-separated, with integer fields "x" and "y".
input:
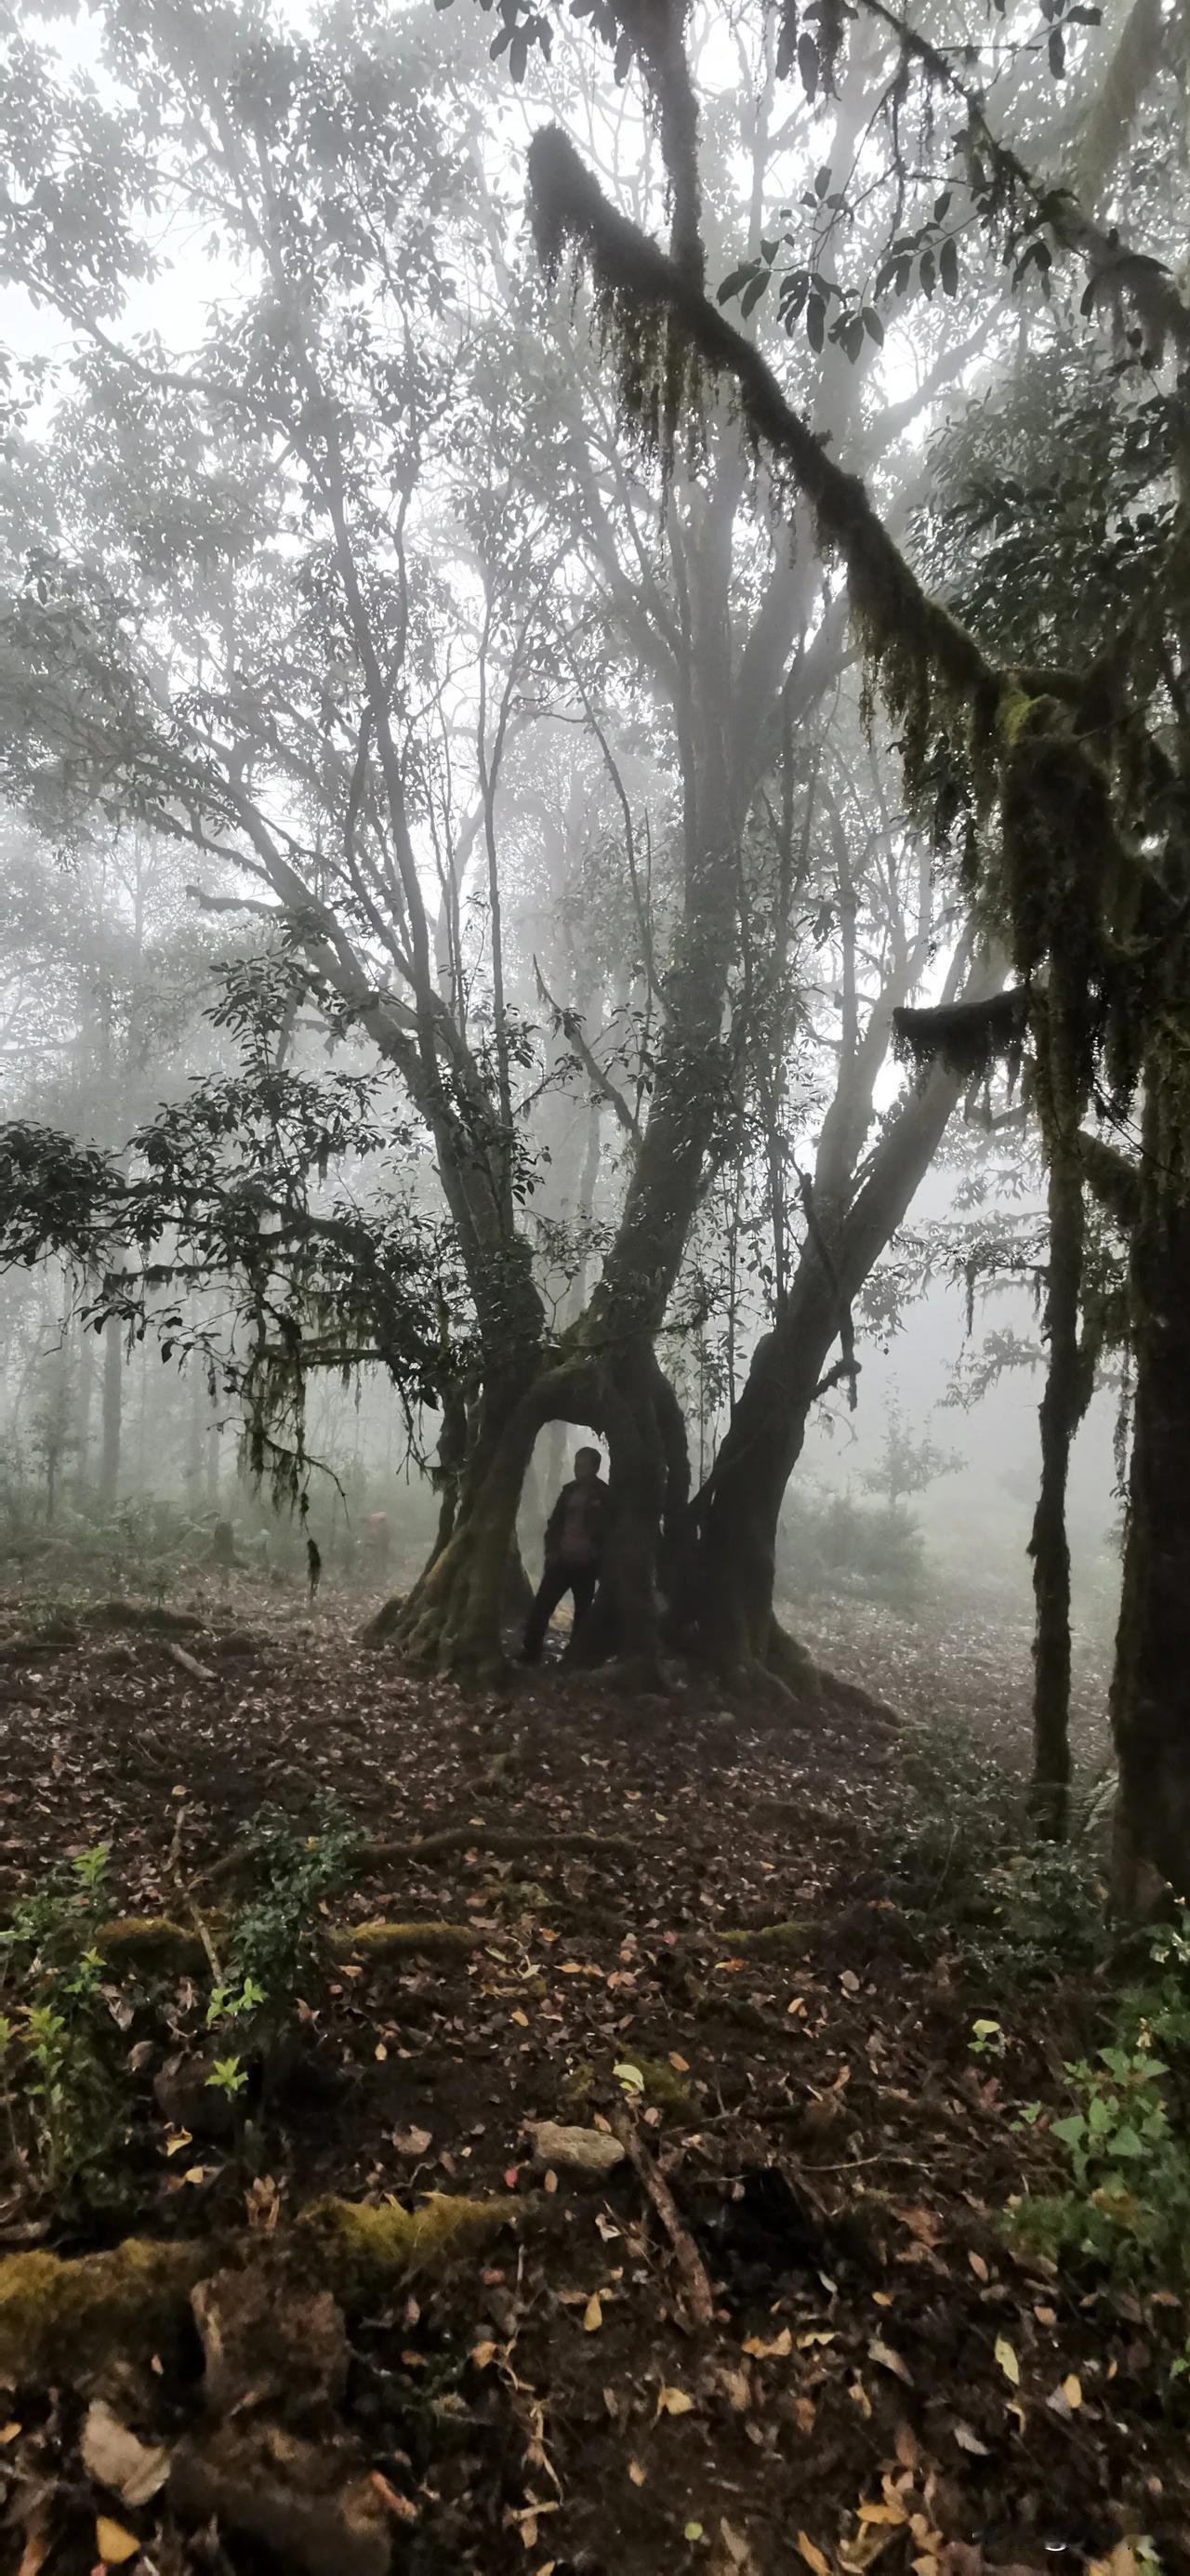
{"x": 490, "y": 815}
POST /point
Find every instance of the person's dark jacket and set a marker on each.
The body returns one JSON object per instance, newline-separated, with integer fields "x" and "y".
{"x": 578, "y": 1524}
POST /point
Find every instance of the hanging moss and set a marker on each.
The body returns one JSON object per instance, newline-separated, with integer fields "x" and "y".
{"x": 969, "y": 1038}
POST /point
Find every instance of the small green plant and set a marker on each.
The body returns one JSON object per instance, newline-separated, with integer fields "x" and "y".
{"x": 987, "y": 2039}
{"x": 228, "y": 2076}
{"x": 277, "y": 1955}
{"x": 1128, "y": 2204}
{"x": 55, "y": 2055}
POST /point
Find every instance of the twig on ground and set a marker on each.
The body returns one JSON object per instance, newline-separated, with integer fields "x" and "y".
{"x": 695, "y": 2285}
{"x": 187, "y": 1663}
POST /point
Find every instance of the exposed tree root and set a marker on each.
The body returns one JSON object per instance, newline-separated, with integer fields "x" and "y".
{"x": 63, "y": 2322}
{"x": 153, "y": 1616}
{"x": 157, "y": 1946}
{"x": 453, "y": 1838}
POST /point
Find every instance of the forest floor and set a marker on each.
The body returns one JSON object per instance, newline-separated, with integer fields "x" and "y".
{"x": 791, "y": 2329}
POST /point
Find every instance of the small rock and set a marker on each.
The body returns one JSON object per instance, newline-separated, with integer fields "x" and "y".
{"x": 587, "y": 2152}
{"x": 117, "y": 2458}
{"x": 309, "y": 2502}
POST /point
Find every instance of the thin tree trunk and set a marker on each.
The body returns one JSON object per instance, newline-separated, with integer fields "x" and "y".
{"x": 113, "y": 1410}
{"x": 1151, "y": 1683}
{"x": 1063, "y": 1404}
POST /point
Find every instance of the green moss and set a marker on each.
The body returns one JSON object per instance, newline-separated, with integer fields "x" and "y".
{"x": 363, "y": 2248}
{"x": 783, "y": 1938}
{"x": 665, "y": 2089}
{"x": 65, "y": 2321}
{"x": 577, "y": 2088}
{"x": 376, "y": 1942}
{"x": 151, "y": 1944}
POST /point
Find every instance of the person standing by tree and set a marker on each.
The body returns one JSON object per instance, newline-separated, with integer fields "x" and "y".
{"x": 575, "y": 1536}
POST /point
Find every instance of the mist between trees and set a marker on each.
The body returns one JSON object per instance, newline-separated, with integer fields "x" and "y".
{"x": 594, "y": 685}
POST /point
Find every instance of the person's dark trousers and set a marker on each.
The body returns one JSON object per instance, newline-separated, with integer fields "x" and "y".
{"x": 557, "y": 1580}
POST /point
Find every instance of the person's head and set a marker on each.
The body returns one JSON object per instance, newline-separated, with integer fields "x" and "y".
{"x": 587, "y": 1463}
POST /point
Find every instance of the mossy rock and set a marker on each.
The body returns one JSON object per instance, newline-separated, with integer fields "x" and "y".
{"x": 786, "y": 1939}
{"x": 362, "y": 2249}
{"x": 66, "y": 2320}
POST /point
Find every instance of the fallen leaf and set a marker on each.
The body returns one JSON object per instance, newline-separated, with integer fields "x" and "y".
{"x": 921, "y": 2223}
{"x": 483, "y": 2355}
{"x": 1008, "y": 2360}
{"x": 969, "y": 2441}
{"x": 117, "y": 2458}
{"x": 680, "y": 2064}
{"x": 402, "y": 2508}
{"x": 636, "y": 2473}
{"x": 381, "y": 2052}
{"x": 674, "y": 2401}
{"x": 736, "y": 2389}
{"x": 978, "y": 2266}
{"x": 115, "y": 2545}
{"x": 629, "y": 2077}
{"x": 892, "y": 2512}
{"x": 777, "y": 2350}
{"x": 592, "y": 2315}
{"x": 176, "y": 2140}
{"x": 8, "y": 2433}
{"x": 813, "y": 2556}
{"x": 804, "y": 2414}
{"x": 1072, "y": 2391}
{"x": 908, "y": 2448}
{"x": 411, "y": 2142}
{"x": 692, "y": 2531}
{"x": 889, "y": 2360}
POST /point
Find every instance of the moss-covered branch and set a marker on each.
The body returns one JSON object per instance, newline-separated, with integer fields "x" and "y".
{"x": 1112, "y": 1179}
{"x": 967, "y": 1037}
{"x": 639, "y": 291}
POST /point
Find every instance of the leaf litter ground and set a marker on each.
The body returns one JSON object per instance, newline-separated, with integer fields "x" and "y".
{"x": 883, "y": 2380}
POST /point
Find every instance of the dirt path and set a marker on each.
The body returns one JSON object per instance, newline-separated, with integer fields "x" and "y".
{"x": 881, "y": 2375}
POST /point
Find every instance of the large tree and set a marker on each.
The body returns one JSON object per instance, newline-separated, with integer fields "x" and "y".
{"x": 298, "y": 593}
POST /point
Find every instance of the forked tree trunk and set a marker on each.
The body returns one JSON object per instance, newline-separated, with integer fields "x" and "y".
{"x": 1151, "y": 1684}
{"x": 725, "y": 1596}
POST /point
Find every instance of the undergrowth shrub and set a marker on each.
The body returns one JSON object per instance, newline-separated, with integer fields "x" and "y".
{"x": 277, "y": 1955}
{"x": 836, "y": 1546}
{"x": 1124, "y": 2134}
{"x": 954, "y": 1838}
{"x": 57, "y": 2035}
